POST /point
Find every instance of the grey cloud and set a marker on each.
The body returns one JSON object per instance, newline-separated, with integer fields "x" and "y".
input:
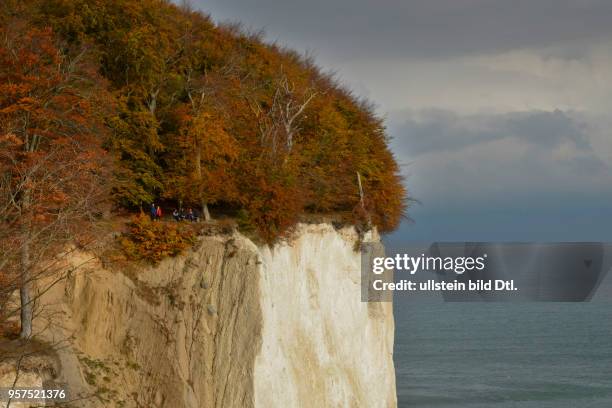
{"x": 437, "y": 130}
{"x": 547, "y": 129}
{"x": 419, "y": 28}
{"x": 499, "y": 160}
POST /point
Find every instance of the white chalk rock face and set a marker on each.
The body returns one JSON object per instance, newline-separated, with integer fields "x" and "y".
{"x": 321, "y": 346}
{"x": 228, "y": 324}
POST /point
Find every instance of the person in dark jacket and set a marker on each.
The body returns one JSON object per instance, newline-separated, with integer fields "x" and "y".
{"x": 153, "y": 212}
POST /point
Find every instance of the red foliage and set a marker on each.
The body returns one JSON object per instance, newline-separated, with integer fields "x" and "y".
{"x": 52, "y": 167}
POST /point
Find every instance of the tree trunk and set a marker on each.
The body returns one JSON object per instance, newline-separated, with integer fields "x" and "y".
{"x": 25, "y": 291}
{"x": 362, "y": 200}
{"x": 25, "y": 286}
{"x": 198, "y": 168}
{"x": 198, "y": 160}
{"x": 205, "y": 212}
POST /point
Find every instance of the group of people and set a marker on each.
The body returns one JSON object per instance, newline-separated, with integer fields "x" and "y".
{"x": 178, "y": 215}
{"x": 155, "y": 212}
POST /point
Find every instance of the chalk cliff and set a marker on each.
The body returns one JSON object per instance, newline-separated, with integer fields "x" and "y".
{"x": 228, "y": 324}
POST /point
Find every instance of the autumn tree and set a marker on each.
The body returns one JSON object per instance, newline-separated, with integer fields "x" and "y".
{"x": 53, "y": 170}
{"x": 204, "y": 151}
{"x": 203, "y": 171}
{"x": 212, "y": 115}
{"x": 279, "y": 122}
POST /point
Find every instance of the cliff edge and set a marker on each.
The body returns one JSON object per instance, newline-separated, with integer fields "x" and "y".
{"x": 228, "y": 324}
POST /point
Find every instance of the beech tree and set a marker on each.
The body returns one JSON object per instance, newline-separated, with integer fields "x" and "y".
{"x": 279, "y": 124}
{"x": 207, "y": 152}
{"x": 52, "y": 167}
{"x": 213, "y": 115}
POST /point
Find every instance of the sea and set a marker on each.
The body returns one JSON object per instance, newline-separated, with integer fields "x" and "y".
{"x": 503, "y": 355}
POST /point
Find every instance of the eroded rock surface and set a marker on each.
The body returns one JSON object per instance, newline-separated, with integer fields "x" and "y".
{"x": 228, "y": 324}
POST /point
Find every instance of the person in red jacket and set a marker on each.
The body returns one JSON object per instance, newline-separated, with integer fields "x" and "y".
{"x": 159, "y": 212}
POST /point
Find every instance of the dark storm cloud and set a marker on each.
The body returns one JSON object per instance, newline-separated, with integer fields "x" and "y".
{"x": 439, "y": 130}
{"x": 421, "y": 28}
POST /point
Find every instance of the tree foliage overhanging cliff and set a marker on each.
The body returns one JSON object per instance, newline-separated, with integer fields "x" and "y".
{"x": 202, "y": 114}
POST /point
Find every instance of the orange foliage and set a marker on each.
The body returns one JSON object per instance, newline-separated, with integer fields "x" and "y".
{"x": 209, "y": 114}
{"x": 52, "y": 165}
{"x": 152, "y": 241}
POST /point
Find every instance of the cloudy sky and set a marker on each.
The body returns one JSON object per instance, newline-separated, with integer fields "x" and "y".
{"x": 498, "y": 109}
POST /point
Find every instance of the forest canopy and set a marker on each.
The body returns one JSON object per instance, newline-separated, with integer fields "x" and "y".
{"x": 196, "y": 114}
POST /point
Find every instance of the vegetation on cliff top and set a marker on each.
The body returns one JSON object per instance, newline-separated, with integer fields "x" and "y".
{"x": 202, "y": 115}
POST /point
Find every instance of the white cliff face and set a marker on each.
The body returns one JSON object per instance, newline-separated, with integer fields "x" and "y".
{"x": 229, "y": 324}
{"x": 321, "y": 346}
